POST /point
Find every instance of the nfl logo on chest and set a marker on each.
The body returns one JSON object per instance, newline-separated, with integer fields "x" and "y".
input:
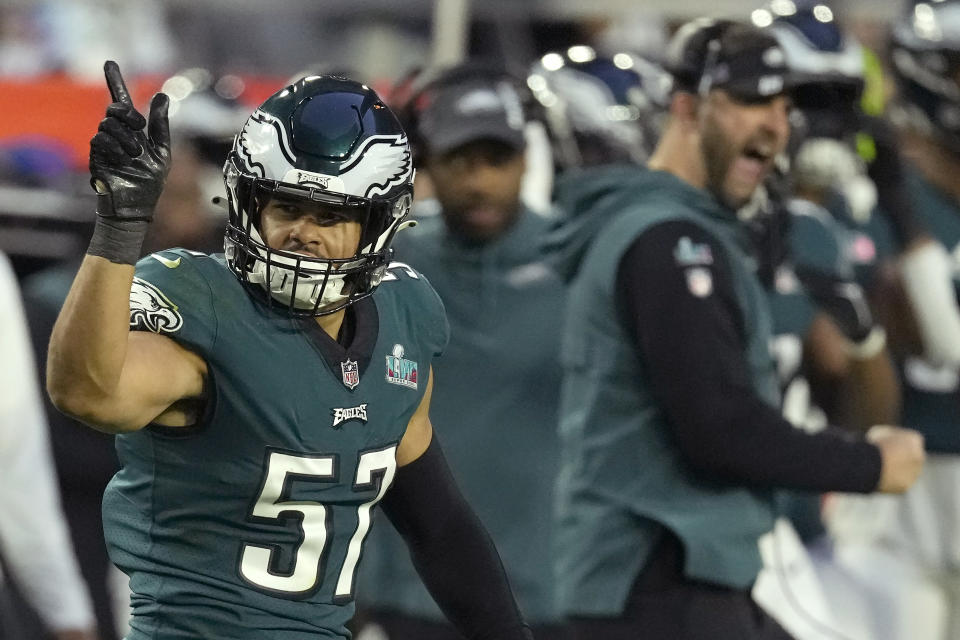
{"x": 351, "y": 373}
{"x": 400, "y": 370}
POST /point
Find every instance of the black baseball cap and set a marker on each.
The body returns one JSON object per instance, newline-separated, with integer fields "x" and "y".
{"x": 475, "y": 109}
{"x": 743, "y": 60}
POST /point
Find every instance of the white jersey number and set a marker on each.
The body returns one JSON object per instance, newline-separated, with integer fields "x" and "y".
{"x": 315, "y": 520}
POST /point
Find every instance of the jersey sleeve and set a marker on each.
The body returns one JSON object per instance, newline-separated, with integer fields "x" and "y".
{"x": 424, "y": 306}
{"x": 437, "y": 327}
{"x": 170, "y": 296}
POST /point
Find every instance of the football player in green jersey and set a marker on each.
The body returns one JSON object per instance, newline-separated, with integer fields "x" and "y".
{"x": 912, "y": 564}
{"x": 267, "y": 399}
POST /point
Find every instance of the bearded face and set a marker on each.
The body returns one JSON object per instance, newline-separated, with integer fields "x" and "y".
{"x": 739, "y": 142}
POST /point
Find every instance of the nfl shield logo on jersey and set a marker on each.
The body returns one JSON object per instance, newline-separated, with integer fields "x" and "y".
{"x": 351, "y": 373}
{"x": 400, "y": 370}
{"x": 700, "y": 282}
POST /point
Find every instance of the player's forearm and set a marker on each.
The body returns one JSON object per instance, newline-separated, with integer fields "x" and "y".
{"x": 88, "y": 345}
{"x": 928, "y": 283}
{"x": 870, "y": 393}
{"x": 451, "y": 550}
{"x": 854, "y": 382}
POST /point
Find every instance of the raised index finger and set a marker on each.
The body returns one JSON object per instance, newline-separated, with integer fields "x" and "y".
{"x": 118, "y": 89}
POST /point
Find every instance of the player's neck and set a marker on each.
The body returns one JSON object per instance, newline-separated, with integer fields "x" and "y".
{"x": 331, "y": 323}
{"x": 678, "y": 153}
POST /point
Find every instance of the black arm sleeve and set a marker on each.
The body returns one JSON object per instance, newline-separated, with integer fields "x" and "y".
{"x": 677, "y": 299}
{"x": 451, "y": 550}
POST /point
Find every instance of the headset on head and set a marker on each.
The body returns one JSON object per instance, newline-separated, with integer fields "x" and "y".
{"x": 693, "y": 50}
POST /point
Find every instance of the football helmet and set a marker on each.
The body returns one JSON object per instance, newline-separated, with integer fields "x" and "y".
{"x": 830, "y": 67}
{"x": 599, "y": 109}
{"x": 829, "y": 62}
{"x": 925, "y": 57}
{"x": 324, "y": 140}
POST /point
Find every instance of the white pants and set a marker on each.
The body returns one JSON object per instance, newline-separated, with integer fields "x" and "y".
{"x": 790, "y": 589}
{"x": 904, "y": 553}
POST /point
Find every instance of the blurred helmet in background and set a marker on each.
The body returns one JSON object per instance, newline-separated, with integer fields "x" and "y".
{"x": 828, "y": 61}
{"x": 599, "y": 109}
{"x": 206, "y": 110}
{"x": 830, "y": 65}
{"x": 925, "y": 58}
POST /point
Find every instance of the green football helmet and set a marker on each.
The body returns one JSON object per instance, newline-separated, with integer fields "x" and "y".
{"x": 325, "y": 140}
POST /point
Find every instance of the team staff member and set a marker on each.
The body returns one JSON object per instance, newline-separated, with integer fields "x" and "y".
{"x": 498, "y": 381}
{"x": 671, "y": 438}
{"x": 266, "y": 400}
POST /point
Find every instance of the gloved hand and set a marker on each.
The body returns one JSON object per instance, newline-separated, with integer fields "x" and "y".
{"x": 844, "y": 301}
{"x": 128, "y": 169}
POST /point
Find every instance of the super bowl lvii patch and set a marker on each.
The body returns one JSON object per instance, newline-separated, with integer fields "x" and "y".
{"x": 400, "y": 370}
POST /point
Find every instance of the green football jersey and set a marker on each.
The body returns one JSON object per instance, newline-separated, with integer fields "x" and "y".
{"x": 252, "y": 523}
{"x": 792, "y": 312}
{"x": 818, "y": 243}
{"x": 931, "y": 391}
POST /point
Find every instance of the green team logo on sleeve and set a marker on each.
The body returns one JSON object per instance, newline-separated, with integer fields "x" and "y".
{"x": 150, "y": 310}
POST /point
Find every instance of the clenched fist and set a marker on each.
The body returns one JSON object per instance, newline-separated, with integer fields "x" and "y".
{"x": 901, "y": 451}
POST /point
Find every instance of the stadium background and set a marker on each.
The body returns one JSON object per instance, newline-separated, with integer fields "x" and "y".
{"x": 51, "y": 56}
{"x": 52, "y": 94}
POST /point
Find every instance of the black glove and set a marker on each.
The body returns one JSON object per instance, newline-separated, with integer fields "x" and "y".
{"x": 887, "y": 170}
{"x": 844, "y": 301}
{"x": 128, "y": 169}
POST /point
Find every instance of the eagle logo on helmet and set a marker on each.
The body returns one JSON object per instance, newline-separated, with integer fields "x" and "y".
{"x": 379, "y": 164}
{"x": 375, "y": 157}
{"x": 264, "y": 147}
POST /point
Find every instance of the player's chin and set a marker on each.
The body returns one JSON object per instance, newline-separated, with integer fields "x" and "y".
{"x": 737, "y": 194}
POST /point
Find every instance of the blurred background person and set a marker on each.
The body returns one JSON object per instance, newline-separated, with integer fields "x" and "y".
{"x": 48, "y": 50}
{"x": 201, "y": 120}
{"x": 604, "y": 115}
{"x": 34, "y": 541}
{"x": 665, "y": 486}
{"x": 909, "y": 564}
{"x": 206, "y": 111}
{"x": 498, "y": 380}
{"x": 832, "y": 360}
